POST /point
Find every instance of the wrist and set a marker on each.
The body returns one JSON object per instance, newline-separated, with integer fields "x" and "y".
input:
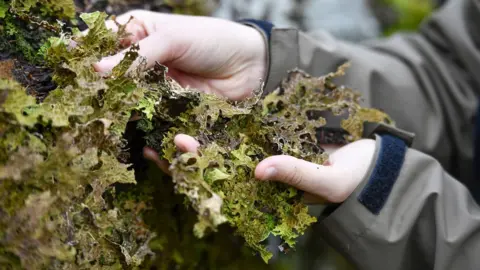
{"x": 264, "y": 28}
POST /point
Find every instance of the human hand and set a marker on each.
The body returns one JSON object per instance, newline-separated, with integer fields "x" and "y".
{"x": 333, "y": 182}
{"x": 209, "y": 54}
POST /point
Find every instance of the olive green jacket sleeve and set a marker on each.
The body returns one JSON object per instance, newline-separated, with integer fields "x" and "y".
{"x": 428, "y": 82}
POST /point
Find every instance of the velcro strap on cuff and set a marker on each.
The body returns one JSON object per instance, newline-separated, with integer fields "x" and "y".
{"x": 385, "y": 173}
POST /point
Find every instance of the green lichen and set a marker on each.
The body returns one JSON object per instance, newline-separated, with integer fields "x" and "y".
{"x": 3, "y": 9}
{"x": 76, "y": 194}
{"x": 62, "y": 9}
{"x": 63, "y": 147}
{"x": 67, "y": 201}
{"x": 219, "y": 179}
{"x": 41, "y": 180}
{"x": 26, "y": 25}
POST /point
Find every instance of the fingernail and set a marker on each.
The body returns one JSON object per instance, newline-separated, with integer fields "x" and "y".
{"x": 269, "y": 173}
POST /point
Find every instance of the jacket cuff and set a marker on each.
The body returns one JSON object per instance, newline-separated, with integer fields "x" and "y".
{"x": 384, "y": 174}
{"x": 354, "y": 217}
{"x": 265, "y": 28}
{"x": 283, "y": 53}
{"x": 291, "y": 49}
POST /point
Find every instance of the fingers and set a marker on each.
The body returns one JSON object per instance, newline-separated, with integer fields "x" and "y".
{"x": 183, "y": 142}
{"x": 151, "y": 155}
{"x": 140, "y": 27}
{"x": 323, "y": 181}
{"x": 153, "y": 48}
{"x": 139, "y": 21}
{"x": 139, "y": 24}
{"x": 136, "y": 29}
{"x": 334, "y": 181}
{"x": 186, "y": 143}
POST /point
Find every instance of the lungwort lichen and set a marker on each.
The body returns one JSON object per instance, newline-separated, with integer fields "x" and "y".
{"x": 219, "y": 180}
{"x": 75, "y": 192}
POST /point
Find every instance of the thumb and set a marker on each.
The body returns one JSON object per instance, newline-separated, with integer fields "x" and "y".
{"x": 326, "y": 182}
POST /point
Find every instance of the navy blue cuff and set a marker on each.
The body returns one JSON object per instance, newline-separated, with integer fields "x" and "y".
{"x": 264, "y": 25}
{"x": 385, "y": 173}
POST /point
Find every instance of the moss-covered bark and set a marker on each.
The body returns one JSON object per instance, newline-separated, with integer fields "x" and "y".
{"x": 75, "y": 192}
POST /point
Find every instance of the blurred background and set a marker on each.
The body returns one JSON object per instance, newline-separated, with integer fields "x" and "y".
{"x": 350, "y": 20}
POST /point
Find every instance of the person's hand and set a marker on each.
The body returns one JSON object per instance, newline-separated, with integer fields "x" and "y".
{"x": 209, "y": 54}
{"x": 333, "y": 182}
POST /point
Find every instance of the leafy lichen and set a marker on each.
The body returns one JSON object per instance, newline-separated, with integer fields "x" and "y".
{"x": 60, "y": 158}
{"x": 25, "y": 25}
{"x": 76, "y": 194}
{"x": 62, "y": 9}
{"x": 219, "y": 180}
{"x": 67, "y": 199}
